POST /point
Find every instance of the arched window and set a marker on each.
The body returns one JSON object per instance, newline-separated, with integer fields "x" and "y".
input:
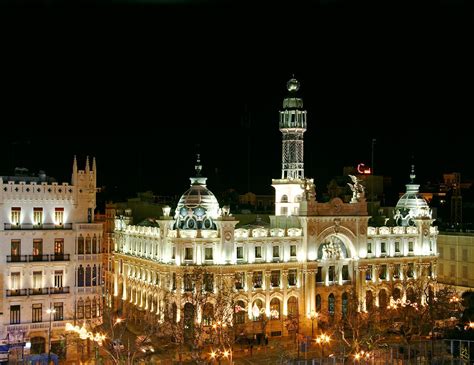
{"x": 383, "y": 299}
{"x": 94, "y": 307}
{"x": 257, "y": 310}
{"x": 397, "y": 294}
{"x": 331, "y": 304}
{"x": 80, "y": 309}
{"x": 94, "y": 244}
{"x": 88, "y": 275}
{"x": 88, "y": 245}
{"x": 208, "y": 314}
{"x": 318, "y": 303}
{"x": 188, "y": 320}
{"x": 369, "y": 300}
{"x": 284, "y": 198}
{"x": 88, "y": 308}
{"x": 345, "y": 303}
{"x": 80, "y": 245}
{"x": 240, "y": 312}
{"x": 80, "y": 276}
{"x": 293, "y": 307}
{"x": 94, "y": 275}
{"x": 275, "y": 308}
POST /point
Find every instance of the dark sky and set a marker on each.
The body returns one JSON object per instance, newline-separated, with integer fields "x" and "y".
{"x": 140, "y": 84}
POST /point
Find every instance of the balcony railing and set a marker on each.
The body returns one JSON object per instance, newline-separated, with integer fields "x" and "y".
{"x": 10, "y": 226}
{"x": 61, "y": 290}
{"x": 39, "y": 258}
{"x": 36, "y": 258}
{"x": 38, "y": 291}
{"x": 59, "y": 257}
{"x": 17, "y": 292}
{"x": 17, "y": 258}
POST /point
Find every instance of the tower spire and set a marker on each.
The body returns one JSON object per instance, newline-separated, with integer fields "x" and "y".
{"x": 87, "y": 165}
{"x": 412, "y": 174}
{"x": 74, "y": 165}
{"x": 94, "y": 166}
{"x": 292, "y": 126}
{"x": 198, "y": 166}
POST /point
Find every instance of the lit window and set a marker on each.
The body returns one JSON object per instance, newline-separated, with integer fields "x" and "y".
{"x": 37, "y": 216}
{"x": 37, "y": 247}
{"x": 16, "y": 247}
{"x": 59, "y": 216}
{"x": 59, "y": 246}
{"x": 16, "y": 214}
{"x": 368, "y": 273}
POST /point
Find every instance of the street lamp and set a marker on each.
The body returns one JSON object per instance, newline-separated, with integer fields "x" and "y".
{"x": 321, "y": 340}
{"x": 50, "y": 312}
{"x": 313, "y": 315}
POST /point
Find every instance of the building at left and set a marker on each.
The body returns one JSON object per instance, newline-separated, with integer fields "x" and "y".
{"x": 50, "y": 257}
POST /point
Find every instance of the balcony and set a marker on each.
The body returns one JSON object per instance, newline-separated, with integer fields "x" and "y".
{"x": 59, "y": 257}
{"x": 38, "y": 291}
{"x": 17, "y": 258}
{"x": 17, "y": 292}
{"x": 61, "y": 290}
{"x": 88, "y": 226}
{"x": 30, "y": 226}
{"x": 38, "y": 258}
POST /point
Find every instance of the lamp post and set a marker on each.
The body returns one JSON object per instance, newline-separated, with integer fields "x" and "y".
{"x": 321, "y": 340}
{"x": 50, "y": 312}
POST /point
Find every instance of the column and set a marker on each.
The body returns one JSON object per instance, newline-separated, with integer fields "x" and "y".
{"x": 267, "y": 292}
{"x": 284, "y": 280}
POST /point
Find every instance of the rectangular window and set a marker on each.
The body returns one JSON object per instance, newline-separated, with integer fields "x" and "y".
{"x": 37, "y": 216}
{"x": 452, "y": 252}
{"x": 173, "y": 281}
{"x": 173, "y": 253}
{"x": 37, "y": 279}
{"x": 397, "y": 247}
{"x": 37, "y": 247}
{"x": 15, "y": 281}
{"x": 276, "y": 252}
{"x": 257, "y": 279}
{"x": 59, "y": 216}
{"x": 16, "y": 215}
{"x": 369, "y": 247}
{"x": 293, "y": 251}
{"x": 383, "y": 248}
{"x": 319, "y": 275}
{"x": 15, "y": 314}
{"x": 331, "y": 273}
{"x": 383, "y": 272}
{"x": 80, "y": 309}
{"x": 188, "y": 282}
{"x": 410, "y": 270}
{"x": 208, "y": 253}
{"x": 59, "y": 246}
{"x": 464, "y": 254}
{"x": 37, "y": 313}
{"x": 15, "y": 247}
{"x": 58, "y": 279}
{"x": 292, "y": 277}
{"x": 284, "y": 211}
{"x": 275, "y": 278}
{"x": 188, "y": 253}
{"x": 240, "y": 253}
{"x": 208, "y": 282}
{"x": 58, "y": 314}
{"x": 410, "y": 246}
{"x": 345, "y": 272}
{"x": 258, "y": 252}
{"x": 368, "y": 273}
{"x": 396, "y": 271}
{"x": 239, "y": 280}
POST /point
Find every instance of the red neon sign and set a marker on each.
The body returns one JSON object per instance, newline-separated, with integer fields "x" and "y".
{"x": 362, "y": 169}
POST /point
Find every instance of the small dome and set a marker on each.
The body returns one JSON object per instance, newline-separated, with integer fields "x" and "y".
{"x": 198, "y": 207}
{"x": 411, "y": 205}
{"x": 293, "y": 85}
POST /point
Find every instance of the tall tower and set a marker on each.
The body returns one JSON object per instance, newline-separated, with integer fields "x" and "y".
{"x": 292, "y": 124}
{"x": 292, "y": 127}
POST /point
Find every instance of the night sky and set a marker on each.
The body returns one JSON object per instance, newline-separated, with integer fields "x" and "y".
{"x": 141, "y": 84}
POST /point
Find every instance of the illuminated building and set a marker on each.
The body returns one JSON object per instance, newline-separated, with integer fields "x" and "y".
{"x": 308, "y": 260}
{"x": 51, "y": 256}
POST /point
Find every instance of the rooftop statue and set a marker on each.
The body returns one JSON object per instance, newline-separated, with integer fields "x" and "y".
{"x": 358, "y": 191}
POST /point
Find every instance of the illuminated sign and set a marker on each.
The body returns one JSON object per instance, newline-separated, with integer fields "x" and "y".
{"x": 362, "y": 169}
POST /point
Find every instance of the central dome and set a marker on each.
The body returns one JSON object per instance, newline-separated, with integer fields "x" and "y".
{"x": 198, "y": 207}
